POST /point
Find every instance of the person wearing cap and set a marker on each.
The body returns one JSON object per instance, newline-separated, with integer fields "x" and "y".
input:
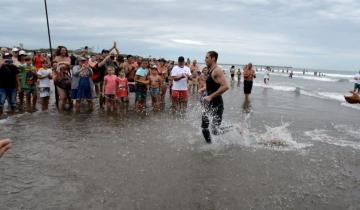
{"x": 3, "y": 51}
{"x": 15, "y": 56}
{"x": 216, "y": 85}
{"x": 9, "y": 83}
{"x": 81, "y": 85}
{"x": 180, "y": 75}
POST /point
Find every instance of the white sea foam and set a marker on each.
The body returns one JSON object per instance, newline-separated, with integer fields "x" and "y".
{"x": 333, "y": 96}
{"x": 277, "y": 138}
{"x": 323, "y": 136}
{"x": 321, "y": 95}
{"x": 306, "y": 77}
{"x": 349, "y": 130}
{"x": 353, "y": 106}
{"x": 276, "y": 87}
{"x": 3, "y": 121}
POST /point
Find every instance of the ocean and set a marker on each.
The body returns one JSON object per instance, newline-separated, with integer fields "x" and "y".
{"x": 297, "y": 146}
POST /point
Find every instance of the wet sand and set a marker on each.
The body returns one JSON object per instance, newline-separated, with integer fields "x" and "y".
{"x": 160, "y": 160}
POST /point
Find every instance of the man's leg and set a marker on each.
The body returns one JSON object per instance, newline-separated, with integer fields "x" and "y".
{"x": 183, "y": 96}
{"x": 34, "y": 100}
{"x": 2, "y": 100}
{"x": 90, "y": 105}
{"x": 77, "y": 105}
{"x": 217, "y": 119}
{"x": 12, "y": 99}
{"x": 21, "y": 99}
{"x": 28, "y": 100}
{"x": 205, "y": 125}
{"x": 175, "y": 100}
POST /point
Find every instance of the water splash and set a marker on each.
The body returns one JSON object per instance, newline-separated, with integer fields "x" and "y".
{"x": 275, "y": 138}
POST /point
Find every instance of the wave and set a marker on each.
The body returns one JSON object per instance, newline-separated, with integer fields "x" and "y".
{"x": 340, "y": 78}
{"x": 334, "y": 96}
{"x": 353, "y": 106}
{"x": 324, "y": 137}
{"x": 276, "y": 87}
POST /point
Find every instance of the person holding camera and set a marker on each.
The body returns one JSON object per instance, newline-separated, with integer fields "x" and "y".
{"x": 82, "y": 85}
{"x": 9, "y": 82}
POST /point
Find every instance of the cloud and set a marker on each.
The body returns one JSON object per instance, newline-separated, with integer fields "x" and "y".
{"x": 318, "y": 33}
{"x": 187, "y": 41}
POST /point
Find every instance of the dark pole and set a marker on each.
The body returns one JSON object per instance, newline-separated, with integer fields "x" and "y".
{"x": 51, "y": 54}
{"x": 48, "y": 28}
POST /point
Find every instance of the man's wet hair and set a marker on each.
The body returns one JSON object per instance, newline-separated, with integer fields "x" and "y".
{"x": 129, "y": 56}
{"x": 213, "y": 54}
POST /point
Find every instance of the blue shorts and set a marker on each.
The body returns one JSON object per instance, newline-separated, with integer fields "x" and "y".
{"x": 140, "y": 93}
{"x": 9, "y": 93}
{"x": 155, "y": 91}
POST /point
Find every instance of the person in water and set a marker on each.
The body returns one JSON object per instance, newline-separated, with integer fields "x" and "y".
{"x": 215, "y": 86}
{"x": 357, "y": 83}
{"x": 249, "y": 75}
{"x": 232, "y": 73}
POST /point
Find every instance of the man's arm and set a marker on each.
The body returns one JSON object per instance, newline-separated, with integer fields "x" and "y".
{"x": 141, "y": 80}
{"x": 177, "y": 78}
{"x": 102, "y": 63}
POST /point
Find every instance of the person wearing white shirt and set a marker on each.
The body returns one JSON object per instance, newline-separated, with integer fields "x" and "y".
{"x": 180, "y": 75}
{"x": 44, "y": 75}
{"x": 267, "y": 76}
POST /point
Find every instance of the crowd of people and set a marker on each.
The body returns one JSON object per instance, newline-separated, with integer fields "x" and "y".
{"x": 111, "y": 78}
{"x": 107, "y": 76}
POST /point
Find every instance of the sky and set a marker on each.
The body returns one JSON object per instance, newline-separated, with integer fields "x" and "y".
{"x": 322, "y": 34}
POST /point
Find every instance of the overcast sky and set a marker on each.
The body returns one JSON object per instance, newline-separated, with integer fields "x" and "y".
{"x": 300, "y": 33}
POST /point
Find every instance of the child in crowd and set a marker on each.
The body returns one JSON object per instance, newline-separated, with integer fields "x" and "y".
{"x": 45, "y": 75}
{"x": 111, "y": 82}
{"x": 28, "y": 85}
{"x": 195, "y": 82}
{"x": 155, "y": 85}
{"x": 141, "y": 86}
{"x": 122, "y": 90}
{"x": 202, "y": 78}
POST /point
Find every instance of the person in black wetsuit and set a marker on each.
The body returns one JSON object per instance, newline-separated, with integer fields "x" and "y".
{"x": 215, "y": 86}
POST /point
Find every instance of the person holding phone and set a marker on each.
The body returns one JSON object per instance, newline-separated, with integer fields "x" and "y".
{"x": 82, "y": 85}
{"x": 9, "y": 82}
